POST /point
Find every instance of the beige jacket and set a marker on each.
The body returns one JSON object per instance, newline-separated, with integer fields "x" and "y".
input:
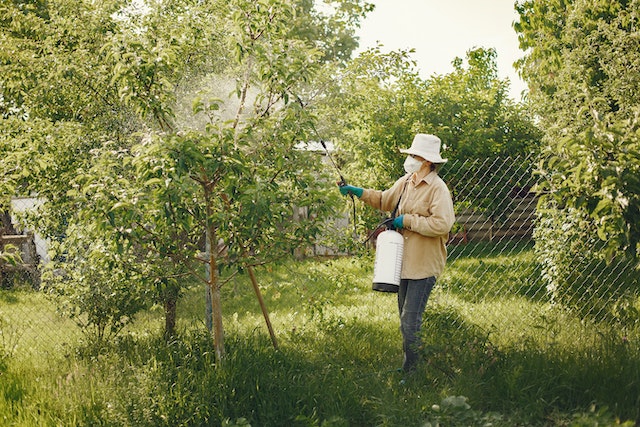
{"x": 428, "y": 217}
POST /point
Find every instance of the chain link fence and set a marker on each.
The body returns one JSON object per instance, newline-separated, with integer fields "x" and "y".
{"x": 493, "y": 281}
{"x": 517, "y": 264}
{"x": 495, "y": 278}
{"x": 29, "y": 322}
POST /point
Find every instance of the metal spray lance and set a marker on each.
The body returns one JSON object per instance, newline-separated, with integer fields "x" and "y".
{"x": 389, "y": 245}
{"x": 342, "y": 183}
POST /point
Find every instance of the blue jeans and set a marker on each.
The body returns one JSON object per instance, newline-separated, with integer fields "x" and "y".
{"x": 412, "y": 300}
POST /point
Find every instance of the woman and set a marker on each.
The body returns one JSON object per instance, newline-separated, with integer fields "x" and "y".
{"x": 424, "y": 217}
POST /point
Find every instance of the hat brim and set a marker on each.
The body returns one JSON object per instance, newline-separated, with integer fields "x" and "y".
{"x": 431, "y": 157}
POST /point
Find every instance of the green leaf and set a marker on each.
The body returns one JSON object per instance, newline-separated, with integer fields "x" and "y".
{"x": 120, "y": 205}
{"x": 153, "y": 182}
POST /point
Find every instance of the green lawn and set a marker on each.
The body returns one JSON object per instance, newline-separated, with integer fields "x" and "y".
{"x": 504, "y": 357}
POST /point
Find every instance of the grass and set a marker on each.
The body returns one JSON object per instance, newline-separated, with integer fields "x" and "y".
{"x": 515, "y": 359}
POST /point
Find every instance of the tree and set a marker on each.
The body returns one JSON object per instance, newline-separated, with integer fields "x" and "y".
{"x": 471, "y": 111}
{"x": 380, "y": 102}
{"x": 582, "y": 70}
{"x": 235, "y": 180}
{"x": 582, "y": 73}
{"x": 160, "y": 184}
{"x": 61, "y": 81}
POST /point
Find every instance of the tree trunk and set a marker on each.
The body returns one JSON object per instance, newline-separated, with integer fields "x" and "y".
{"x": 216, "y": 301}
{"x": 170, "y": 304}
{"x": 214, "y": 285}
{"x": 6, "y": 227}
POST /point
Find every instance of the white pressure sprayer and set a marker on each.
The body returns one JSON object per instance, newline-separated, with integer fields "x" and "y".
{"x": 388, "y": 263}
{"x": 389, "y": 250}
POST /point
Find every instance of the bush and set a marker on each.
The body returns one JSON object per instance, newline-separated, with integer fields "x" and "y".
{"x": 575, "y": 269}
{"x": 92, "y": 285}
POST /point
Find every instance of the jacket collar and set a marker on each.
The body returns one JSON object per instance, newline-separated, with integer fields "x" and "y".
{"x": 428, "y": 178}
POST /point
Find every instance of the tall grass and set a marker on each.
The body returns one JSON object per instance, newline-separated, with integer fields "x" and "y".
{"x": 339, "y": 347}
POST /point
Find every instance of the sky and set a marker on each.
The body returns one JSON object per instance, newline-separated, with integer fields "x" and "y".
{"x": 441, "y": 30}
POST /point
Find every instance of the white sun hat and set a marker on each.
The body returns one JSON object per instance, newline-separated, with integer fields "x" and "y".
{"x": 427, "y": 147}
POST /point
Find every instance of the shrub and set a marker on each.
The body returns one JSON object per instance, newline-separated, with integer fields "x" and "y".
{"x": 577, "y": 273}
{"x": 93, "y": 287}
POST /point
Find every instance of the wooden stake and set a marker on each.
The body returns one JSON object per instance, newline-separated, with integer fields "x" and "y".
{"x": 216, "y": 309}
{"x": 262, "y": 306}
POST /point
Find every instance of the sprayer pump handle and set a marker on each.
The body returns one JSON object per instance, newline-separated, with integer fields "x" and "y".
{"x": 388, "y": 223}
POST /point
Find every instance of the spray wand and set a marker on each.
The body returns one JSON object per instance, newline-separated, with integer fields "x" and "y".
{"x": 389, "y": 247}
{"x": 342, "y": 183}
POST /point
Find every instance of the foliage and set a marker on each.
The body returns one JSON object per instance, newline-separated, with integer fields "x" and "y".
{"x": 34, "y": 164}
{"x": 93, "y": 130}
{"x": 579, "y": 276}
{"x": 93, "y": 286}
{"x": 375, "y": 104}
{"x": 470, "y": 110}
{"x": 380, "y": 102}
{"x": 330, "y": 27}
{"x": 383, "y": 102}
{"x": 9, "y": 254}
{"x": 582, "y": 72}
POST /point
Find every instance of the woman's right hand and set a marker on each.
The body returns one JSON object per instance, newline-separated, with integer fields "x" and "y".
{"x": 350, "y": 189}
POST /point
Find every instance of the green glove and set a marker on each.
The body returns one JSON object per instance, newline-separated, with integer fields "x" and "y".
{"x": 398, "y": 222}
{"x": 350, "y": 189}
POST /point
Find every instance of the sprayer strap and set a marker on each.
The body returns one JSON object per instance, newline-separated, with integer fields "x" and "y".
{"x": 387, "y": 222}
{"x": 395, "y": 210}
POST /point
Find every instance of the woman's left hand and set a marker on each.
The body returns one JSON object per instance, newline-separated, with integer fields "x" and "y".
{"x": 398, "y": 222}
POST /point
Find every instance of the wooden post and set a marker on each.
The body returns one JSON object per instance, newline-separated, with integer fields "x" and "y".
{"x": 254, "y": 282}
{"x": 214, "y": 285}
{"x": 218, "y": 331}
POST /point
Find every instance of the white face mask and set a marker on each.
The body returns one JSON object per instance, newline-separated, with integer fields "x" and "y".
{"x": 412, "y": 165}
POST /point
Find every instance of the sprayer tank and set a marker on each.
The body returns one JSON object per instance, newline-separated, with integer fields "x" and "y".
{"x": 388, "y": 262}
